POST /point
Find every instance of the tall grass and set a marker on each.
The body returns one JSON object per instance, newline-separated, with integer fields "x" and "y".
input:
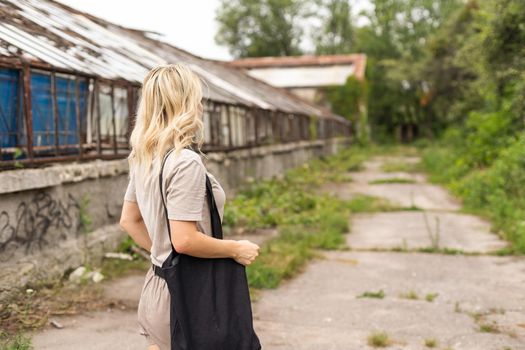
{"x": 306, "y": 221}
{"x": 495, "y": 190}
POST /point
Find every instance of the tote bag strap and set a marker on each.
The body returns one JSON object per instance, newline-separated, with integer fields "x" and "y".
{"x": 216, "y": 226}
{"x": 161, "y": 187}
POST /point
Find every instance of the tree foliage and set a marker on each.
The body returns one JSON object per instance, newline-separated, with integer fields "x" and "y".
{"x": 476, "y": 70}
{"x": 336, "y": 32}
{"x": 395, "y": 41}
{"x": 254, "y": 28}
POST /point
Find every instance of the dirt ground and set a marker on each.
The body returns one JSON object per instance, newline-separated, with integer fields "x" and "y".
{"x": 474, "y": 301}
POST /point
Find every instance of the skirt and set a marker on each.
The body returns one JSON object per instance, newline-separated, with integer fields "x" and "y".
{"x": 153, "y": 312}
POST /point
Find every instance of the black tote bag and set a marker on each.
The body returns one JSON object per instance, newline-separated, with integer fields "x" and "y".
{"x": 210, "y": 301}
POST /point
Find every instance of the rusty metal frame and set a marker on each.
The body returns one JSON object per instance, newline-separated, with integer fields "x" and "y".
{"x": 113, "y": 121}
{"x": 54, "y": 108}
{"x": 77, "y": 116}
{"x": 28, "y": 112}
{"x": 96, "y": 109}
{"x": 267, "y": 126}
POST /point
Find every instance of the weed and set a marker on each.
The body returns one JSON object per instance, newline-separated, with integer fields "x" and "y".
{"x": 431, "y": 296}
{"x": 489, "y": 328}
{"x": 374, "y": 295}
{"x": 400, "y": 167}
{"x": 393, "y": 180}
{"x": 285, "y": 255}
{"x": 112, "y": 268}
{"x": 445, "y": 251}
{"x": 305, "y": 221}
{"x": 85, "y": 219}
{"x": 16, "y": 155}
{"x": 379, "y": 340}
{"x": 17, "y": 342}
{"x": 371, "y": 204}
{"x": 431, "y": 343}
{"x": 411, "y": 295}
{"x": 434, "y": 236}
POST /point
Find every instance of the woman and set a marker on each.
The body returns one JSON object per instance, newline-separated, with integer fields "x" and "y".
{"x": 170, "y": 117}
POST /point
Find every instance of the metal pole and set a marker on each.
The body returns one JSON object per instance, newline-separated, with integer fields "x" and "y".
{"x": 230, "y": 138}
{"x": 113, "y": 119}
{"x": 96, "y": 102}
{"x": 54, "y": 108}
{"x": 77, "y": 115}
{"x": 28, "y": 112}
{"x": 131, "y": 111}
{"x": 256, "y": 125}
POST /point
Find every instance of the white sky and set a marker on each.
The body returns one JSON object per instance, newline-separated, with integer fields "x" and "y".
{"x": 188, "y": 24}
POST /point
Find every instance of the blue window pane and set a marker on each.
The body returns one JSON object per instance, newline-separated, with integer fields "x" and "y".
{"x": 67, "y": 120}
{"x": 42, "y": 108}
{"x": 9, "y": 107}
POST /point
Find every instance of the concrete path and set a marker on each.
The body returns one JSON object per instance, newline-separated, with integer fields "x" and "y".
{"x": 461, "y": 302}
{"x": 111, "y": 329}
{"x": 474, "y": 302}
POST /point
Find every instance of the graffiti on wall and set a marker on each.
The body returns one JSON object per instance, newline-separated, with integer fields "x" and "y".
{"x": 31, "y": 225}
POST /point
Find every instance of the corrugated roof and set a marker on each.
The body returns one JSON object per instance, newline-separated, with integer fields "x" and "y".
{"x": 358, "y": 60}
{"x": 47, "y": 32}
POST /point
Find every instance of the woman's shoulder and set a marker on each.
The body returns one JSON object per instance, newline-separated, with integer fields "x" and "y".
{"x": 184, "y": 157}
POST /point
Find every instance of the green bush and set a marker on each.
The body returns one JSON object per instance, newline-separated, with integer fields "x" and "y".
{"x": 496, "y": 191}
{"x": 499, "y": 192}
{"x": 486, "y": 135}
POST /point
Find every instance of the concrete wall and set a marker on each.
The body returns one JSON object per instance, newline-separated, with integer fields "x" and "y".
{"x": 56, "y": 218}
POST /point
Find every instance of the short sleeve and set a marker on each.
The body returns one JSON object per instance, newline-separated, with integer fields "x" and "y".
{"x": 130, "y": 194}
{"x": 186, "y": 190}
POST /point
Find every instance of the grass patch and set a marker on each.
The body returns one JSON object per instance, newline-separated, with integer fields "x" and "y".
{"x": 489, "y": 328}
{"x": 17, "y": 342}
{"x": 392, "y": 180}
{"x": 400, "y": 167}
{"x": 430, "y": 297}
{"x": 445, "y": 251}
{"x": 112, "y": 268}
{"x": 431, "y": 343}
{"x": 426, "y": 250}
{"x": 306, "y": 221}
{"x": 410, "y": 295}
{"x": 286, "y": 254}
{"x": 371, "y": 204}
{"x": 374, "y": 295}
{"x": 379, "y": 340}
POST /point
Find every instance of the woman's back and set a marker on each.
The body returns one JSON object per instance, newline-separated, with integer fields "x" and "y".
{"x": 184, "y": 188}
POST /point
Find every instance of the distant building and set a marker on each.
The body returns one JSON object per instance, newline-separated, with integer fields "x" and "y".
{"x": 305, "y": 76}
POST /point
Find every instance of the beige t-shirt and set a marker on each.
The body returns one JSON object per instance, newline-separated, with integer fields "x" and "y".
{"x": 185, "y": 192}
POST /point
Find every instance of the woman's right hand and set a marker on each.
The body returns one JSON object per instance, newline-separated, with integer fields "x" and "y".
{"x": 245, "y": 252}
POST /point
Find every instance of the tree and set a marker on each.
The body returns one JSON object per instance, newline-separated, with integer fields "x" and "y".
{"x": 255, "y": 28}
{"x": 395, "y": 42}
{"x": 336, "y": 33}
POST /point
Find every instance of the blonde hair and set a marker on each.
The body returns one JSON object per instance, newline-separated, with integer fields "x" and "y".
{"x": 168, "y": 116}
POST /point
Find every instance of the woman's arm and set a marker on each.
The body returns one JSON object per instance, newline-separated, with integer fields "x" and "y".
{"x": 131, "y": 221}
{"x": 186, "y": 239}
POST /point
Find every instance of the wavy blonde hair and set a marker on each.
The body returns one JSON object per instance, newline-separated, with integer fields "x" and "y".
{"x": 169, "y": 114}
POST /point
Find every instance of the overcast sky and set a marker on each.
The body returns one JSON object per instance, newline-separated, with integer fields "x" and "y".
{"x": 188, "y": 24}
